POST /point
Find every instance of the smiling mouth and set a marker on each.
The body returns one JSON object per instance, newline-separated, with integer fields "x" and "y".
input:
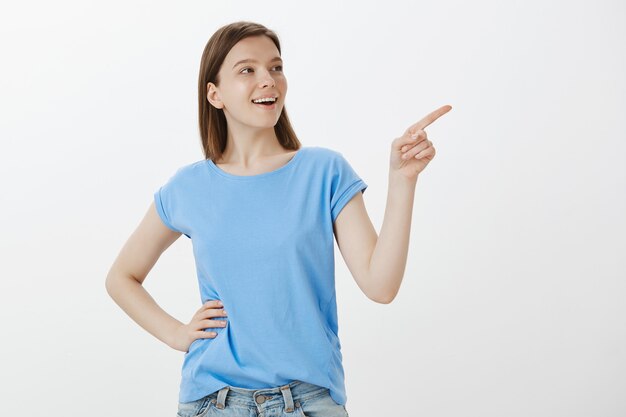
{"x": 267, "y": 106}
{"x": 266, "y": 103}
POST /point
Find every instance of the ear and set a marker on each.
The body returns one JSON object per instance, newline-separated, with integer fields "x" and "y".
{"x": 213, "y": 97}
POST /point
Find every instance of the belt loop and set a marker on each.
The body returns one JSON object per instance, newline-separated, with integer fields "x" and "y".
{"x": 221, "y": 398}
{"x": 288, "y": 398}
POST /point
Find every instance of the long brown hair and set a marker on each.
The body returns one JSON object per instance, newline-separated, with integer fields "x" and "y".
{"x": 213, "y": 126}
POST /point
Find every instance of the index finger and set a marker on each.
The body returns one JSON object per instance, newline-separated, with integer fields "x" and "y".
{"x": 430, "y": 117}
{"x": 214, "y": 303}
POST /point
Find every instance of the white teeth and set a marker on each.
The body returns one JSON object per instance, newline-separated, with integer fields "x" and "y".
{"x": 261, "y": 100}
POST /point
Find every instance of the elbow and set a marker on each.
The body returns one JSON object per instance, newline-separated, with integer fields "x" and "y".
{"x": 109, "y": 285}
{"x": 379, "y": 291}
{"x": 113, "y": 282}
{"x": 385, "y": 298}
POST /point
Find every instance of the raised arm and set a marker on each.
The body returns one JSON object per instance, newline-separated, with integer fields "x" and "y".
{"x": 377, "y": 263}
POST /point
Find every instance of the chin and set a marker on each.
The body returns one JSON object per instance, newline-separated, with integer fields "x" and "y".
{"x": 269, "y": 123}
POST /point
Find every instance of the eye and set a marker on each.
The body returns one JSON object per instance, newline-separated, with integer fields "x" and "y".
{"x": 248, "y": 68}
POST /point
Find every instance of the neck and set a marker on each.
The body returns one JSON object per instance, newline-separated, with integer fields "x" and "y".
{"x": 248, "y": 147}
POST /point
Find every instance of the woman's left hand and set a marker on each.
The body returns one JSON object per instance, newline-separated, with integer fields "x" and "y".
{"x": 411, "y": 152}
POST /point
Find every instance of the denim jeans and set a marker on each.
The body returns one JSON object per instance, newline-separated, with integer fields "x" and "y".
{"x": 297, "y": 399}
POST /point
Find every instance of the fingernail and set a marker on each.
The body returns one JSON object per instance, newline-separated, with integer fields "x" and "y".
{"x": 219, "y": 303}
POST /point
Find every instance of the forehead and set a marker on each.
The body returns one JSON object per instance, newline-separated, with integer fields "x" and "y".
{"x": 255, "y": 47}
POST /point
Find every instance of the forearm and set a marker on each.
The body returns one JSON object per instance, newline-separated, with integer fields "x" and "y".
{"x": 388, "y": 260}
{"x": 133, "y": 298}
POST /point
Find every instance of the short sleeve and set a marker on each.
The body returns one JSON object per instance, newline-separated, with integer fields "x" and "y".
{"x": 167, "y": 200}
{"x": 345, "y": 184}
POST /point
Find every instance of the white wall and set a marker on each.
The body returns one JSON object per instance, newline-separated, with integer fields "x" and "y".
{"x": 513, "y": 299}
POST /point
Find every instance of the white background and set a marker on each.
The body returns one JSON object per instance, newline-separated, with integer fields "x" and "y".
{"x": 513, "y": 299}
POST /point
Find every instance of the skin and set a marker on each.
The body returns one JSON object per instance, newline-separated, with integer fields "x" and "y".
{"x": 251, "y": 146}
{"x": 376, "y": 262}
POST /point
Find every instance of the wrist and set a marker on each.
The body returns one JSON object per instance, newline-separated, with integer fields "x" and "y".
{"x": 400, "y": 180}
{"x": 171, "y": 334}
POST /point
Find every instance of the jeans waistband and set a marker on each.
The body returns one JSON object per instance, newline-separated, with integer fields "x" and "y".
{"x": 264, "y": 398}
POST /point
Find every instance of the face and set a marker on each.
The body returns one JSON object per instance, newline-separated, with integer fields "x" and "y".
{"x": 241, "y": 82}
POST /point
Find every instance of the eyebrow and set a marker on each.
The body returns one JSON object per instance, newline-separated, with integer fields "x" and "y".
{"x": 277, "y": 58}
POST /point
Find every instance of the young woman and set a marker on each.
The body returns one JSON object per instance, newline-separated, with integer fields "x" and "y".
{"x": 262, "y": 212}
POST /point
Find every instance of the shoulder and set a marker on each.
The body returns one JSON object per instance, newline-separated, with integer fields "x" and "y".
{"x": 324, "y": 154}
{"x": 321, "y": 150}
{"x": 188, "y": 173}
{"x": 191, "y": 169}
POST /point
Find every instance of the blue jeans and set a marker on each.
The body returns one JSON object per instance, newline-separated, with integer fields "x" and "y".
{"x": 297, "y": 399}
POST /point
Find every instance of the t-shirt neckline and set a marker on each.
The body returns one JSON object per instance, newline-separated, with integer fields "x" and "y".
{"x": 283, "y": 168}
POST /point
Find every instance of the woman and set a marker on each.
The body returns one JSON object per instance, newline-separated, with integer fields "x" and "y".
{"x": 262, "y": 212}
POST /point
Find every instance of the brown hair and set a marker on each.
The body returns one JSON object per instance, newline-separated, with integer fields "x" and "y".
{"x": 213, "y": 126}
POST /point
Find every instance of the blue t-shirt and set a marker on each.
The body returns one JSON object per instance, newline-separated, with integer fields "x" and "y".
{"x": 264, "y": 245}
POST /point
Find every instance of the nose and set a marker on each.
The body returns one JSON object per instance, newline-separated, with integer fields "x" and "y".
{"x": 268, "y": 80}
